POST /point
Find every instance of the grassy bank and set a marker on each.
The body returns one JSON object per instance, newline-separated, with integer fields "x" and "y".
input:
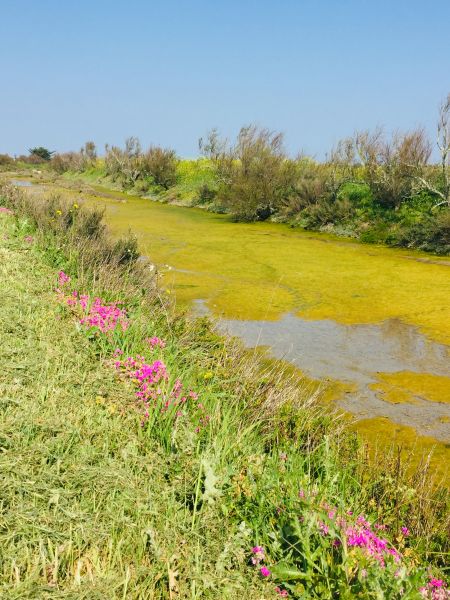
{"x": 145, "y": 457}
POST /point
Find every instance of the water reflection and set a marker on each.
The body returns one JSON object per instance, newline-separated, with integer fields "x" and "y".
{"x": 21, "y": 183}
{"x": 354, "y": 353}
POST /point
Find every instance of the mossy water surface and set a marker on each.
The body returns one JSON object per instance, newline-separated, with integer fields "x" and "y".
{"x": 260, "y": 272}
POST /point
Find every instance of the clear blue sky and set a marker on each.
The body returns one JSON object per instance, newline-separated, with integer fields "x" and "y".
{"x": 169, "y": 70}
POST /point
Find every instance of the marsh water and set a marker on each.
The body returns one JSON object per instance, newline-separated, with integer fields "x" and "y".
{"x": 373, "y": 319}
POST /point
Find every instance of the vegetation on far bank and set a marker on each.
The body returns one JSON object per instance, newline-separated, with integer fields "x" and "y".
{"x": 371, "y": 187}
{"x": 144, "y": 456}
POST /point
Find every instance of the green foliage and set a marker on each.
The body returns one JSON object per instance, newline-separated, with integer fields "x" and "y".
{"x": 254, "y": 176}
{"x": 42, "y": 153}
{"x": 372, "y": 187}
{"x": 81, "y": 161}
{"x": 431, "y": 233}
{"x": 161, "y": 165}
{"x": 153, "y": 170}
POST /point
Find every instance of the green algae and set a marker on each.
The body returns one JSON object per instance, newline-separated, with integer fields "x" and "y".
{"x": 262, "y": 270}
{"x": 406, "y": 386}
{"x": 381, "y": 433}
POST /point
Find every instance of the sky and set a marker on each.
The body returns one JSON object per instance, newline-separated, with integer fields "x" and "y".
{"x": 168, "y": 71}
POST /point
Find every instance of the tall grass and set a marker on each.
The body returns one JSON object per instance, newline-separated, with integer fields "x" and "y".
{"x": 100, "y": 500}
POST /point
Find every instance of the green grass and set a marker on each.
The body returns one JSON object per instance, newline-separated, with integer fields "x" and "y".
{"x": 93, "y": 505}
{"x": 90, "y": 507}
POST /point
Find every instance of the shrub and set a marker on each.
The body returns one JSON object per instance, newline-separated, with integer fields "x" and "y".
{"x": 161, "y": 165}
{"x": 124, "y": 165}
{"x": 328, "y": 212}
{"x": 75, "y": 161}
{"x": 392, "y": 166}
{"x": 431, "y": 233}
{"x": 5, "y": 159}
{"x": 206, "y": 194}
{"x": 255, "y": 176}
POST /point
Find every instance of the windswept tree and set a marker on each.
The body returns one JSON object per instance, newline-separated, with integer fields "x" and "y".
{"x": 41, "y": 152}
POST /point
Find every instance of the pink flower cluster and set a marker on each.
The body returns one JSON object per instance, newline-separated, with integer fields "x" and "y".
{"x": 147, "y": 377}
{"x": 258, "y": 556}
{"x": 63, "y": 278}
{"x": 362, "y": 536}
{"x": 436, "y": 589}
{"x": 155, "y": 342}
{"x": 150, "y": 379}
{"x": 104, "y": 317}
{"x": 95, "y": 314}
{"x": 6, "y": 211}
{"x": 354, "y": 533}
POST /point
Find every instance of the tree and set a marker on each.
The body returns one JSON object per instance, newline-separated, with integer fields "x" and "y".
{"x": 41, "y": 152}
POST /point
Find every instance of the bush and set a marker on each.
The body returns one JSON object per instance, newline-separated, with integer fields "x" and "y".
{"x": 5, "y": 159}
{"x": 391, "y": 167}
{"x": 206, "y": 194}
{"x": 130, "y": 166}
{"x": 161, "y": 165}
{"x": 255, "y": 176}
{"x": 75, "y": 161}
{"x": 431, "y": 233}
{"x": 328, "y": 212}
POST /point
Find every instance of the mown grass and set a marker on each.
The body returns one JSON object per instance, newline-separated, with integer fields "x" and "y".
{"x": 94, "y": 505}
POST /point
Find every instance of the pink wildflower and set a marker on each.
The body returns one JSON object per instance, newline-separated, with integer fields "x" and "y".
{"x": 324, "y": 528}
{"x": 154, "y": 342}
{"x": 265, "y": 572}
{"x": 282, "y": 593}
{"x": 63, "y": 278}
{"x": 405, "y": 531}
{"x": 258, "y": 555}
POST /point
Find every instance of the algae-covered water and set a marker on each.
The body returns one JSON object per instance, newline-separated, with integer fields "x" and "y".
{"x": 375, "y": 319}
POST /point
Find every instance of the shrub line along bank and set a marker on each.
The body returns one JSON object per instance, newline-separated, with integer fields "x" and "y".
{"x": 281, "y": 499}
{"x": 371, "y": 187}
